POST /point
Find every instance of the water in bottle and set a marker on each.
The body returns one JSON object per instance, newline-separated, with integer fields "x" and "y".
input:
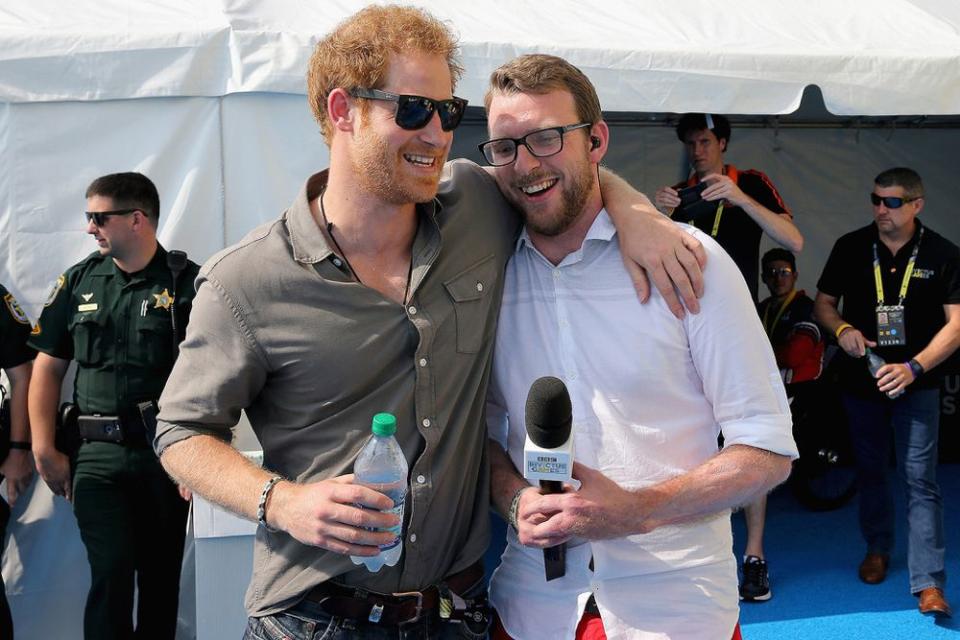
{"x": 382, "y": 467}
{"x": 874, "y": 362}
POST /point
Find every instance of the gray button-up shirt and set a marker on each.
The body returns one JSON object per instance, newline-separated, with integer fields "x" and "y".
{"x": 281, "y": 329}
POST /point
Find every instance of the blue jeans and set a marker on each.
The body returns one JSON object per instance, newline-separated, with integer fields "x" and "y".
{"x": 914, "y": 418}
{"x": 307, "y": 621}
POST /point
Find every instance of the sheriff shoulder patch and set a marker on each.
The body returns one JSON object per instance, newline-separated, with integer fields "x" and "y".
{"x": 55, "y": 290}
{"x": 15, "y": 309}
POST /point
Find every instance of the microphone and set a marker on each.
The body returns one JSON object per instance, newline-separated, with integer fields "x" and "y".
{"x": 548, "y": 451}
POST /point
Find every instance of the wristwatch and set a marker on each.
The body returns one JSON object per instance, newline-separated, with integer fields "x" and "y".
{"x": 915, "y": 367}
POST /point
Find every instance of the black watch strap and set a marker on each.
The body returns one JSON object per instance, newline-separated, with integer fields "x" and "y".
{"x": 915, "y": 367}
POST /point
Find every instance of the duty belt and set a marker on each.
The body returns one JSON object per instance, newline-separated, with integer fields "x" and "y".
{"x": 390, "y": 609}
{"x": 127, "y": 429}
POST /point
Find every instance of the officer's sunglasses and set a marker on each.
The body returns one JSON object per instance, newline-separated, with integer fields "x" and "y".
{"x": 414, "y": 112}
{"x": 890, "y": 202}
{"x": 99, "y": 218}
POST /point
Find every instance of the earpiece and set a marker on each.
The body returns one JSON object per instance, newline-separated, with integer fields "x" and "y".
{"x": 594, "y": 143}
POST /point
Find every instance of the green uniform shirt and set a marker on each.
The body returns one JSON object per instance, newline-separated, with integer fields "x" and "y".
{"x": 117, "y": 327}
{"x": 14, "y": 332}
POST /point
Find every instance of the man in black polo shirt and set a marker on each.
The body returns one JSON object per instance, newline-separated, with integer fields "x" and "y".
{"x": 736, "y": 207}
{"x": 900, "y": 286}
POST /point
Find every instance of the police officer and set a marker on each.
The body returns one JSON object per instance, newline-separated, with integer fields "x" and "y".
{"x": 16, "y": 359}
{"x": 120, "y": 313}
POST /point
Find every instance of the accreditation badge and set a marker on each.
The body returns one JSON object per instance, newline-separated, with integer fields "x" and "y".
{"x": 891, "y": 330}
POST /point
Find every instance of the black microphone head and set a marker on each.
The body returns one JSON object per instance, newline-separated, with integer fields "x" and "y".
{"x": 548, "y": 412}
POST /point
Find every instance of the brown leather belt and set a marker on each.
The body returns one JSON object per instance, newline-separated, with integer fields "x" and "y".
{"x": 389, "y": 609}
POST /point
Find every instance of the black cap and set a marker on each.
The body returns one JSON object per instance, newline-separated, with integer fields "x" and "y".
{"x": 548, "y": 413}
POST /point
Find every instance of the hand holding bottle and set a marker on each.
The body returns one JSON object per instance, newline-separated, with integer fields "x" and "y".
{"x": 892, "y": 379}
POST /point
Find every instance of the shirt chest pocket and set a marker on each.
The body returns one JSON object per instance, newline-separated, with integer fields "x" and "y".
{"x": 153, "y": 346}
{"x": 472, "y": 292}
{"x": 90, "y": 338}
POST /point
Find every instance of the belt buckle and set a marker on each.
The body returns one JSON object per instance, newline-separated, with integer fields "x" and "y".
{"x": 411, "y": 594}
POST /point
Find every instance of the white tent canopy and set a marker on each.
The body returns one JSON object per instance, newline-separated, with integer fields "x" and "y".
{"x": 869, "y": 57}
{"x": 206, "y": 97}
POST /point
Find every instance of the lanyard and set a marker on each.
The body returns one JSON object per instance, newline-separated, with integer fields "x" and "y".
{"x": 731, "y": 172}
{"x": 766, "y": 313}
{"x": 878, "y": 279}
{"x": 716, "y": 220}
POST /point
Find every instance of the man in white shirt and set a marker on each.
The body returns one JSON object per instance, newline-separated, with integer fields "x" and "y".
{"x": 648, "y": 532}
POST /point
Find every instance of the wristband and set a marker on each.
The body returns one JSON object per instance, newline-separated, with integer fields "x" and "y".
{"x": 843, "y": 327}
{"x": 262, "y": 505}
{"x": 514, "y": 507}
{"x": 915, "y": 367}
{"x": 19, "y": 444}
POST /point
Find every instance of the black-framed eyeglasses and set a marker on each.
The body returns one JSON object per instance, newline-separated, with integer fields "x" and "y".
{"x": 541, "y": 143}
{"x": 414, "y": 112}
{"x": 890, "y": 202}
{"x": 777, "y": 272}
{"x": 99, "y": 218}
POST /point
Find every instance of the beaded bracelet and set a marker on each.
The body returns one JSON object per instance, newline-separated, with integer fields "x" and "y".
{"x": 514, "y": 507}
{"x": 19, "y": 444}
{"x": 262, "y": 505}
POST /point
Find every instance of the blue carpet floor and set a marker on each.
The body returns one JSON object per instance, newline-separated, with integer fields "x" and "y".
{"x": 813, "y": 561}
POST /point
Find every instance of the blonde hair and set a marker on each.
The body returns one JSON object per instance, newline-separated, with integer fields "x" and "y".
{"x": 357, "y": 53}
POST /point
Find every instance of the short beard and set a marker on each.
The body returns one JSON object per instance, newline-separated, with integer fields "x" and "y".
{"x": 375, "y": 166}
{"x": 575, "y": 194}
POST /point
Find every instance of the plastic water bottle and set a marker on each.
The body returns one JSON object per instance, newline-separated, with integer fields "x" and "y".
{"x": 382, "y": 467}
{"x": 874, "y": 362}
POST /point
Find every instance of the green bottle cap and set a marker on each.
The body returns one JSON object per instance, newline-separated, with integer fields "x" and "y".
{"x": 384, "y": 424}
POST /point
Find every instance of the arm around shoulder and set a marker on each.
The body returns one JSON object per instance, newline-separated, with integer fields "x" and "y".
{"x": 653, "y": 247}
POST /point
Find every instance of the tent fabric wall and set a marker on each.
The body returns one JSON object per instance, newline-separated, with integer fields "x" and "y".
{"x": 206, "y": 98}
{"x": 225, "y": 165}
{"x": 868, "y": 56}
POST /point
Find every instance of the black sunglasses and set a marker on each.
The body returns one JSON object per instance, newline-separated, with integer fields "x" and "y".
{"x": 541, "y": 143}
{"x": 100, "y": 217}
{"x": 781, "y": 272}
{"x": 890, "y": 202}
{"x": 414, "y": 112}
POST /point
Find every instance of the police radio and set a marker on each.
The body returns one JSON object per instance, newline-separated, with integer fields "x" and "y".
{"x": 176, "y": 262}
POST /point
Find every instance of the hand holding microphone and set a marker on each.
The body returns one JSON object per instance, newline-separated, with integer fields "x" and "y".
{"x": 548, "y": 451}
{"x": 600, "y": 509}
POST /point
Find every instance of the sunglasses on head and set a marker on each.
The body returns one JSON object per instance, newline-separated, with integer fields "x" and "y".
{"x": 890, "y": 202}
{"x": 99, "y": 218}
{"x": 414, "y": 112}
